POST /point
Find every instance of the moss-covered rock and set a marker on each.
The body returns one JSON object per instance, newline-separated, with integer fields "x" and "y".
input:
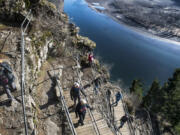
{"x": 48, "y": 4}
{"x": 39, "y": 40}
{"x": 85, "y": 42}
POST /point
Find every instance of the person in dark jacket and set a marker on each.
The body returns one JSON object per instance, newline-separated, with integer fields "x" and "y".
{"x": 75, "y": 93}
{"x": 123, "y": 120}
{"x": 7, "y": 79}
{"x": 97, "y": 84}
{"x": 81, "y": 110}
{"x": 118, "y": 98}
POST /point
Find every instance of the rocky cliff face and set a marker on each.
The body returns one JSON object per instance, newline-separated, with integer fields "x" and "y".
{"x": 49, "y": 38}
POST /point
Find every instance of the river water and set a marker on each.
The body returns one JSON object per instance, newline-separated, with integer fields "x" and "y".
{"x": 133, "y": 55}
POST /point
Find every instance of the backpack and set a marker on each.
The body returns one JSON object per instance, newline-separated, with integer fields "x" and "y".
{"x": 124, "y": 118}
{"x": 75, "y": 91}
{"x": 6, "y": 70}
{"x": 6, "y": 66}
{"x": 118, "y": 96}
{"x": 83, "y": 109}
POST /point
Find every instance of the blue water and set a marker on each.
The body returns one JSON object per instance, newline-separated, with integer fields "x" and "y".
{"x": 133, "y": 55}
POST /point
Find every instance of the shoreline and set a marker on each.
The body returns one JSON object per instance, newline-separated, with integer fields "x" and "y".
{"x": 138, "y": 29}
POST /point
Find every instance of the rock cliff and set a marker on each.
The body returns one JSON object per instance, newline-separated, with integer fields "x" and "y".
{"x": 49, "y": 39}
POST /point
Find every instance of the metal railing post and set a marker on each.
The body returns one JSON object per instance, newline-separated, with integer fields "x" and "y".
{"x": 22, "y": 82}
{"x": 91, "y": 115}
{"x": 71, "y": 125}
{"x": 22, "y": 70}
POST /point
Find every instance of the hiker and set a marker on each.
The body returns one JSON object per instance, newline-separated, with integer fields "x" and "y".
{"x": 81, "y": 110}
{"x": 90, "y": 58}
{"x": 7, "y": 79}
{"x": 123, "y": 120}
{"x": 75, "y": 93}
{"x": 97, "y": 83}
{"x": 118, "y": 98}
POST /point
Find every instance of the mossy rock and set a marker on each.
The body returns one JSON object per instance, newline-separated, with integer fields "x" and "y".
{"x": 2, "y": 26}
{"x": 27, "y": 3}
{"x": 49, "y": 4}
{"x": 40, "y": 41}
{"x": 2, "y": 1}
{"x": 86, "y": 42}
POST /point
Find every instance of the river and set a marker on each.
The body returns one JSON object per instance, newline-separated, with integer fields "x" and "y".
{"x": 132, "y": 55}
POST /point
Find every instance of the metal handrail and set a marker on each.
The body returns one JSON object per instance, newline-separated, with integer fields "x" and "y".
{"x": 131, "y": 128}
{"x": 91, "y": 115}
{"x": 109, "y": 122}
{"x": 22, "y": 69}
{"x": 71, "y": 125}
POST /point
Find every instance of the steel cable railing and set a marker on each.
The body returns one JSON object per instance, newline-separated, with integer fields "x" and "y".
{"x": 131, "y": 127}
{"x": 71, "y": 125}
{"x": 132, "y": 130}
{"x": 76, "y": 58}
{"x": 23, "y": 30}
{"x": 80, "y": 81}
{"x": 109, "y": 115}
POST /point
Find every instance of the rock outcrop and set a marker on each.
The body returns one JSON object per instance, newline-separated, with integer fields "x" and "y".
{"x": 49, "y": 41}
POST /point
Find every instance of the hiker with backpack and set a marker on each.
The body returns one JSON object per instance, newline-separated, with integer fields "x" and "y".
{"x": 75, "y": 93}
{"x": 118, "y": 98}
{"x": 7, "y": 79}
{"x": 81, "y": 111}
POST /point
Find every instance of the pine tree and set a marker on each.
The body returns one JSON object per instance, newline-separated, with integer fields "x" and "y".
{"x": 172, "y": 101}
{"x": 150, "y": 100}
{"x": 166, "y": 100}
{"x": 137, "y": 88}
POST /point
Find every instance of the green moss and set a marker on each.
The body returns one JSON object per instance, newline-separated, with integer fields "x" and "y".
{"x": 2, "y": 26}
{"x": 27, "y": 3}
{"x": 40, "y": 73}
{"x": 29, "y": 62}
{"x": 18, "y": 6}
{"x": 39, "y": 42}
{"x": 49, "y": 4}
{"x": 1, "y": 1}
{"x": 177, "y": 128}
{"x": 50, "y": 59}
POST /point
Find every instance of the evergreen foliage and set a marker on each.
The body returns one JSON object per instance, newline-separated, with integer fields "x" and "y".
{"x": 166, "y": 100}
{"x": 137, "y": 88}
